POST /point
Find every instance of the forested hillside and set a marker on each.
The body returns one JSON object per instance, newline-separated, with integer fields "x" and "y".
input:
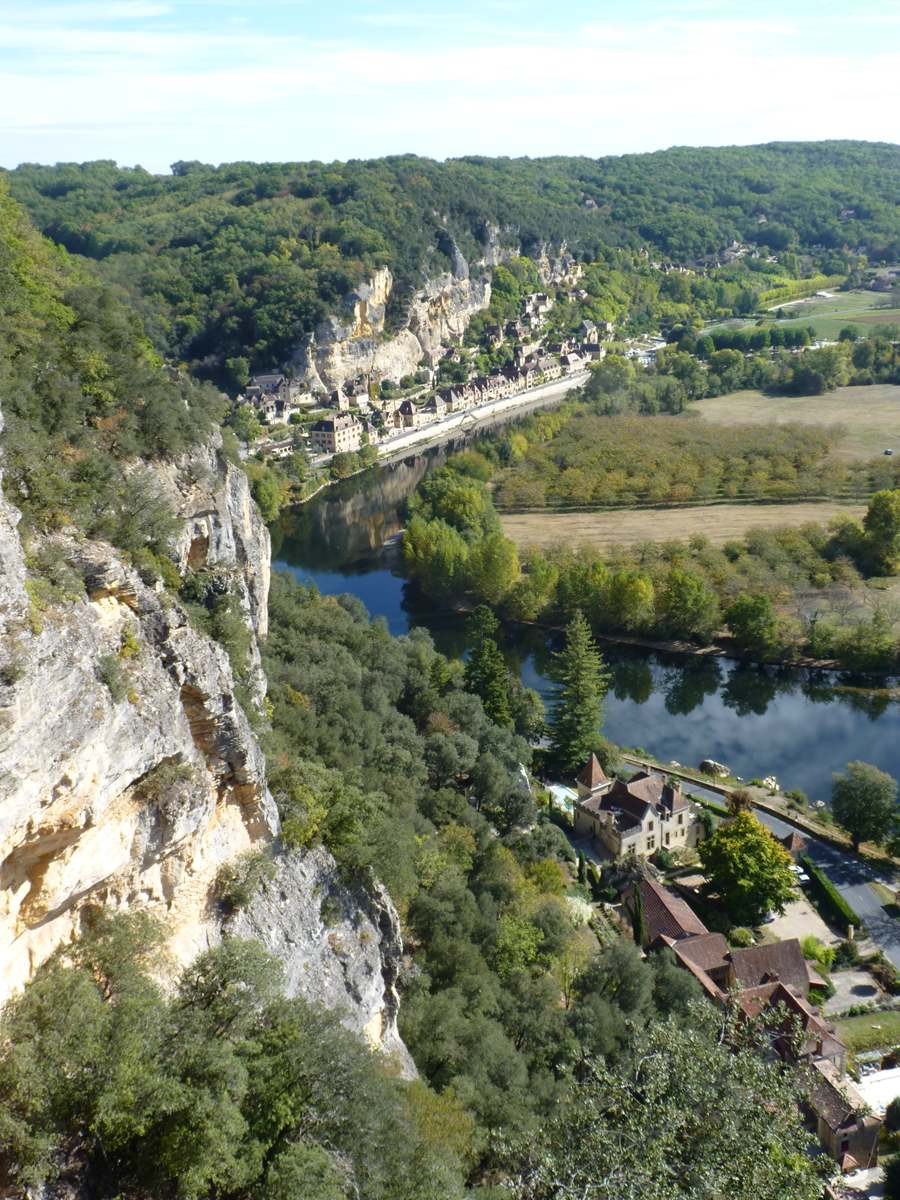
{"x": 244, "y": 259}
{"x": 83, "y": 391}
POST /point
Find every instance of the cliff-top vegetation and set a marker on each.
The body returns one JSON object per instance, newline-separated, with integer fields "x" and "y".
{"x": 241, "y": 261}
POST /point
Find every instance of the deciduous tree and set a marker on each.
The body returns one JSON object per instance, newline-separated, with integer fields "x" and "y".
{"x": 748, "y": 869}
{"x": 864, "y": 802}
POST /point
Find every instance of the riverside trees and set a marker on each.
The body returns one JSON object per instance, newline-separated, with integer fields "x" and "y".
{"x": 864, "y": 803}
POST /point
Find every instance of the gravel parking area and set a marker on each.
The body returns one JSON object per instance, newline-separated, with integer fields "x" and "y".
{"x": 801, "y": 920}
{"x": 850, "y": 988}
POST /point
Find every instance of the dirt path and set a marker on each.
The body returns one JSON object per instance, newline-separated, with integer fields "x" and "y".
{"x": 719, "y": 522}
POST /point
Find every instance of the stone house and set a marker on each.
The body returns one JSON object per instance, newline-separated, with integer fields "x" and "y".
{"x": 275, "y": 397}
{"x": 646, "y": 814}
{"x": 773, "y": 979}
{"x": 844, "y": 1124}
{"x": 411, "y": 415}
{"x": 338, "y": 434}
{"x": 436, "y": 407}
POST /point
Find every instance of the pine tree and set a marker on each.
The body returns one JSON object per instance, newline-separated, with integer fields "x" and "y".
{"x": 486, "y": 671}
{"x": 578, "y": 709}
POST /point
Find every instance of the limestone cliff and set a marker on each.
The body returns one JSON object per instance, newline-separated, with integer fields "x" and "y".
{"x": 355, "y": 343}
{"x": 129, "y": 773}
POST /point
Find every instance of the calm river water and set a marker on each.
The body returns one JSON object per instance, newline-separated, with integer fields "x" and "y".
{"x": 798, "y": 725}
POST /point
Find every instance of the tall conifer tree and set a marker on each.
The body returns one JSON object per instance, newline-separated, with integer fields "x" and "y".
{"x": 486, "y": 671}
{"x": 578, "y": 710}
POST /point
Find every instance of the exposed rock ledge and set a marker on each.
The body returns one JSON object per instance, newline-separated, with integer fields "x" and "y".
{"x": 340, "y": 945}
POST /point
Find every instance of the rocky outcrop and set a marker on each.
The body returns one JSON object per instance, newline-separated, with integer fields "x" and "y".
{"x": 129, "y": 774}
{"x": 221, "y": 525}
{"x": 355, "y": 342}
{"x": 339, "y": 943}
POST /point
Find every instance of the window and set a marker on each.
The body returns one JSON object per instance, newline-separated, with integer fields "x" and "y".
{"x": 651, "y": 843}
{"x": 681, "y": 818}
{"x": 650, "y": 827}
{"x": 668, "y": 838}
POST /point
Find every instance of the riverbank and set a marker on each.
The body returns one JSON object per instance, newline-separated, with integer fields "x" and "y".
{"x": 436, "y": 433}
{"x": 775, "y": 804}
{"x": 470, "y": 418}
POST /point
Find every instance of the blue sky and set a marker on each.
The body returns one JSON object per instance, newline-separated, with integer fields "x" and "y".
{"x": 150, "y": 81}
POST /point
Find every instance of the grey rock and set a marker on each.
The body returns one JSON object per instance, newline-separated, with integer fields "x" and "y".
{"x": 339, "y": 943}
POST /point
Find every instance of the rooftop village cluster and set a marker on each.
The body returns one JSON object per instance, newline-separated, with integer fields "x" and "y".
{"x": 368, "y": 410}
{"x": 636, "y": 819}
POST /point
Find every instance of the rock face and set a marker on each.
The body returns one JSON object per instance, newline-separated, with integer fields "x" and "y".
{"x": 129, "y": 774}
{"x": 355, "y": 344}
{"x": 124, "y": 781}
{"x": 343, "y": 348}
{"x": 340, "y": 944}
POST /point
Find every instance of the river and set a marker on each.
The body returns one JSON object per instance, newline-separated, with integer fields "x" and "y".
{"x": 797, "y": 725}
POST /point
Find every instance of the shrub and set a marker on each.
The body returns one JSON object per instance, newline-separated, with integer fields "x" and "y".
{"x": 892, "y": 1115}
{"x": 885, "y": 974}
{"x": 664, "y": 859}
{"x": 828, "y": 899}
{"x": 740, "y": 936}
{"x": 129, "y": 646}
{"x": 111, "y": 672}
{"x": 846, "y": 954}
{"x": 238, "y": 882}
{"x": 817, "y": 951}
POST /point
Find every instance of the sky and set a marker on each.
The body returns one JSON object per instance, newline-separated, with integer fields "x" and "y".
{"x": 149, "y": 83}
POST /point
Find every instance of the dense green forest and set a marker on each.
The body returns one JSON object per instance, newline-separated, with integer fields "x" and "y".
{"x": 240, "y": 261}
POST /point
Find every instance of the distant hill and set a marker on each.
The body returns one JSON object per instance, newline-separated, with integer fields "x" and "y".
{"x": 246, "y": 258}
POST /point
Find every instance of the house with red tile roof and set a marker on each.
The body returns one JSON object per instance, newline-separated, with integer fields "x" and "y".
{"x": 771, "y": 978}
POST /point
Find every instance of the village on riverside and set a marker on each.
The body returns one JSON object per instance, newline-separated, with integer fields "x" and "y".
{"x": 822, "y": 975}
{"x": 392, "y": 414}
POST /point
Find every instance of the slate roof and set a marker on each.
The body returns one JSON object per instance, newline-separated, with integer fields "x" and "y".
{"x": 592, "y": 774}
{"x": 793, "y": 843}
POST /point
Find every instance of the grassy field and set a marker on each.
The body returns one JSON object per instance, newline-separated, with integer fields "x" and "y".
{"x": 829, "y": 316}
{"x": 719, "y": 522}
{"x": 869, "y": 415}
{"x": 871, "y": 1031}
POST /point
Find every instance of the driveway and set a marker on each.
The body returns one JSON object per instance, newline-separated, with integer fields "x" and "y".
{"x": 851, "y": 877}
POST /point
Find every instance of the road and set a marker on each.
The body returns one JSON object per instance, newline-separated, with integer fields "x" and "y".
{"x": 447, "y": 427}
{"x": 851, "y": 877}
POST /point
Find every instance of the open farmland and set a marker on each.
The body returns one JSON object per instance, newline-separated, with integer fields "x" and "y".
{"x": 869, "y": 415}
{"x": 718, "y": 522}
{"x": 827, "y": 315}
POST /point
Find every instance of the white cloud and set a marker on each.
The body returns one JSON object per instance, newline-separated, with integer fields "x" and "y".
{"x": 157, "y": 94}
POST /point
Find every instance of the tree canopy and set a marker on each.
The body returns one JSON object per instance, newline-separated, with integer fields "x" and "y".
{"x": 748, "y": 869}
{"x": 864, "y": 802}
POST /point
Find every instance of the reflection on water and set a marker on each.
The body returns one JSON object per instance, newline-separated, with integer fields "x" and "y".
{"x": 798, "y": 725}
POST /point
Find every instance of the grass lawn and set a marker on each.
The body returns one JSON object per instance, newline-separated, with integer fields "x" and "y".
{"x": 870, "y": 416}
{"x": 871, "y": 1031}
{"x": 719, "y": 522}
